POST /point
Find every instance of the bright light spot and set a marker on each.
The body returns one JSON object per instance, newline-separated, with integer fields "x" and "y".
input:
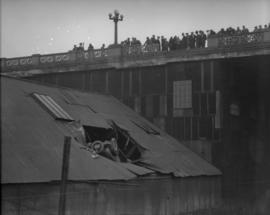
{"x": 88, "y": 38}
{"x": 68, "y": 31}
{"x": 51, "y": 39}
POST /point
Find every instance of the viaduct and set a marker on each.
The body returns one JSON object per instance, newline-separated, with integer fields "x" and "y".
{"x": 216, "y": 100}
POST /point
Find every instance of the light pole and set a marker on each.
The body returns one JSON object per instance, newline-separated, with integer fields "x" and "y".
{"x": 117, "y": 17}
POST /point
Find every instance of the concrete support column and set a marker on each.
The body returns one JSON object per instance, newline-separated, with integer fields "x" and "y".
{"x": 212, "y": 76}
{"x": 84, "y": 75}
{"x": 202, "y": 76}
{"x": 122, "y": 83}
{"x": 106, "y": 81}
{"x": 166, "y": 80}
{"x": 165, "y": 90}
{"x": 130, "y": 83}
{"x": 90, "y": 81}
{"x": 140, "y": 82}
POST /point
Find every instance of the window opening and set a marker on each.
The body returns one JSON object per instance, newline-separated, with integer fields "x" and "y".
{"x": 182, "y": 94}
{"x": 148, "y": 129}
{"x": 52, "y": 107}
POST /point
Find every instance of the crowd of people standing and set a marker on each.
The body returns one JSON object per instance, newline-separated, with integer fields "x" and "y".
{"x": 197, "y": 39}
{"x": 193, "y": 40}
{"x": 238, "y": 31}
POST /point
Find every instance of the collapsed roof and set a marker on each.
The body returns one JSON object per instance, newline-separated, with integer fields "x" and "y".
{"x": 33, "y": 137}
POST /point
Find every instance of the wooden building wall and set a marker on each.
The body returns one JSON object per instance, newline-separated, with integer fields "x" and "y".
{"x": 156, "y": 196}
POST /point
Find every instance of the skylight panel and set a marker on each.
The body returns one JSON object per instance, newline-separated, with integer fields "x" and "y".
{"x": 53, "y": 108}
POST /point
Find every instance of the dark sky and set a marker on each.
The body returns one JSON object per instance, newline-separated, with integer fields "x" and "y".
{"x": 51, "y": 26}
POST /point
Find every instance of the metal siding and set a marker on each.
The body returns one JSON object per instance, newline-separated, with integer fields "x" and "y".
{"x": 159, "y": 196}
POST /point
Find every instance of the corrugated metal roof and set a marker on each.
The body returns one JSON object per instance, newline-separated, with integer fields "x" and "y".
{"x": 164, "y": 153}
{"x": 136, "y": 169}
{"x": 32, "y": 140}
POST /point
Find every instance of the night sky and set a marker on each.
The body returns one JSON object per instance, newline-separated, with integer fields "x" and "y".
{"x": 50, "y": 26}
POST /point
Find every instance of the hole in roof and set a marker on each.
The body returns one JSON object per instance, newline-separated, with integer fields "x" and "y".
{"x": 114, "y": 143}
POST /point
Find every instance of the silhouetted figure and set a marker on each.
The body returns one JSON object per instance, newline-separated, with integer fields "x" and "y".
{"x": 184, "y": 41}
{"x": 81, "y": 47}
{"x": 75, "y": 48}
{"x": 203, "y": 38}
{"x": 164, "y": 44}
{"x": 90, "y": 47}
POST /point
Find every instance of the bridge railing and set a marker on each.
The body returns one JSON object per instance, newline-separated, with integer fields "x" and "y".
{"x": 79, "y": 56}
{"x": 239, "y": 40}
{"x": 56, "y": 58}
{"x": 140, "y": 49}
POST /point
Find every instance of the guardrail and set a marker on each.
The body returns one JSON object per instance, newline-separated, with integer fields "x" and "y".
{"x": 58, "y": 58}
{"x": 73, "y": 57}
{"x": 239, "y": 40}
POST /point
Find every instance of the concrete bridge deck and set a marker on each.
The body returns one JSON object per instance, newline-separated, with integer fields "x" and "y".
{"x": 124, "y": 57}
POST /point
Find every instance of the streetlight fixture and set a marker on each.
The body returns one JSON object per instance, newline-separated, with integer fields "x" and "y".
{"x": 117, "y": 17}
